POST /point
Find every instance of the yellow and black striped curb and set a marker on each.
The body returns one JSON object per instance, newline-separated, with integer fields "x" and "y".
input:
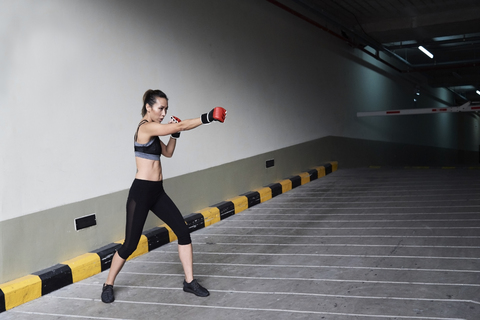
{"x": 35, "y": 285}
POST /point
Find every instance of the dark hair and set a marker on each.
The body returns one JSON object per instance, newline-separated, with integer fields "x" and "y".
{"x": 150, "y": 96}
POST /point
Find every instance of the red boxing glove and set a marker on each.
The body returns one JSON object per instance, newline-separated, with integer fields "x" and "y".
{"x": 174, "y": 119}
{"x": 217, "y": 114}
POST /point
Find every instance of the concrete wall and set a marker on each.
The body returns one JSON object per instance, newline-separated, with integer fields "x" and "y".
{"x": 74, "y": 72}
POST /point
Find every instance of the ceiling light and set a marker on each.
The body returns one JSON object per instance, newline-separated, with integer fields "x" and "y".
{"x": 426, "y": 52}
{"x": 478, "y": 92}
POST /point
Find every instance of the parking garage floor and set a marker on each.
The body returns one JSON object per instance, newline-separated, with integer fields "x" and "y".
{"x": 385, "y": 243}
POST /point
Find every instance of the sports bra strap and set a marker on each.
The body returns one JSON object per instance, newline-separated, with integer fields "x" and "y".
{"x": 136, "y": 133}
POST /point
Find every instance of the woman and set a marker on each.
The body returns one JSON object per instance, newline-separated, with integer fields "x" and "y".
{"x": 147, "y": 193}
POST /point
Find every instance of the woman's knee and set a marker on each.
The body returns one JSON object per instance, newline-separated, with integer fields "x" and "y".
{"x": 184, "y": 238}
{"x": 126, "y": 251}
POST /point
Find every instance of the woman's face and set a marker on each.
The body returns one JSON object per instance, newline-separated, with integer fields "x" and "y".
{"x": 158, "y": 111}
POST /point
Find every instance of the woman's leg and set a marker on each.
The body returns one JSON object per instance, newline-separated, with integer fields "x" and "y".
{"x": 137, "y": 211}
{"x": 117, "y": 265}
{"x": 185, "y": 252}
{"x": 166, "y": 210}
{"x": 190, "y": 284}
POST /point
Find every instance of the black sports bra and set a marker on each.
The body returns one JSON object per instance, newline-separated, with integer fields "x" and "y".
{"x": 151, "y": 150}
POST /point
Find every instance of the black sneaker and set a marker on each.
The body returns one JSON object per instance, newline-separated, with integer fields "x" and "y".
{"x": 107, "y": 293}
{"x": 195, "y": 288}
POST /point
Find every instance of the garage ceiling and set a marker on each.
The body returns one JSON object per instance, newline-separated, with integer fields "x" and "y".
{"x": 449, "y": 29}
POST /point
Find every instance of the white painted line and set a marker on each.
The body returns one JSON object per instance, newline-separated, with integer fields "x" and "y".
{"x": 410, "y": 283}
{"x": 285, "y": 310}
{"x": 386, "y": 188}
{"x": 384, "y": 191}
{"x": 357, "y": 221}
{"x": 182, "y": 305}
{"x": 298, "y": 294}
{"x": 64, "y": 315}
{"x": 333, "y": 236}
{"x": 306, "y": 266}
{"x": 414, "y": 190}
{"x": 249, "y": 213}
{"x": 263, "y": 207}
{"x": 348, "y": 228}
{"x": 320, "y": 200}
{"x": 444, "y": 198}
{"x": 393, "y": 185}
{"x": 334, "y": 245}
{"x": 323, "y": 255}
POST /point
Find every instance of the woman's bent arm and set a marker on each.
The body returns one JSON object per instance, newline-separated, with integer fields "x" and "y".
{"x": 157, "y": 129}
{"x": 168, "y": 149}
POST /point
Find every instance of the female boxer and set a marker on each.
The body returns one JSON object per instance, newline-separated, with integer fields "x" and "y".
{"x": 147, "y": 193}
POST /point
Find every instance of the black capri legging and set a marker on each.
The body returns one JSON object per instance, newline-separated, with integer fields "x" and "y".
{"x": 144, "y": 196}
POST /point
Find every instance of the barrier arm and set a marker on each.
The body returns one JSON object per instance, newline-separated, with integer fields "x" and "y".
{"x": 466, "y": 107}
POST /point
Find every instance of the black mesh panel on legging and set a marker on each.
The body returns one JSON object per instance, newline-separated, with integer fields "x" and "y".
{"x": 135, "y": 221}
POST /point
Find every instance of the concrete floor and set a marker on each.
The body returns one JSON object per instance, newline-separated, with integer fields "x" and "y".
{"x": 356, "y": 244}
